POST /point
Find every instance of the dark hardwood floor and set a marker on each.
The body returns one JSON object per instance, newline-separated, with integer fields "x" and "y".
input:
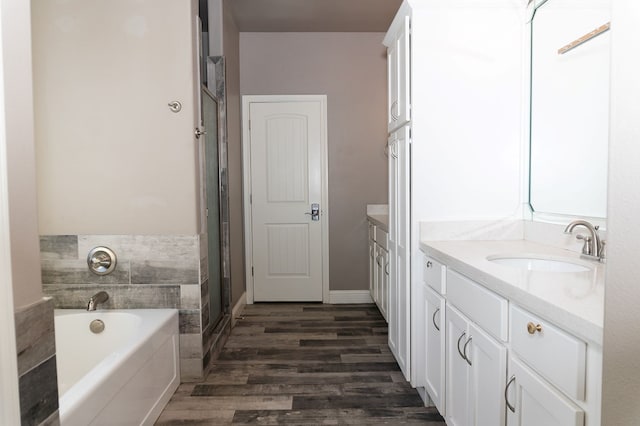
{"x": 309, "y": 364}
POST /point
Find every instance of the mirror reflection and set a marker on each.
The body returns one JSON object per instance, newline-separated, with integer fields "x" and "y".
{"x": 569, "y": 108}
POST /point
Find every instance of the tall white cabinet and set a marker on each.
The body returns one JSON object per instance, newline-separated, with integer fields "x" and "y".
{"x": 399, "y": 152}
{"x": 455, "y": 85}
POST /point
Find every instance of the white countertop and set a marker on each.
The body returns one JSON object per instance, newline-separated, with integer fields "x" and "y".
{"x": 571, "y": 300}
{"x": 381, "y": 220}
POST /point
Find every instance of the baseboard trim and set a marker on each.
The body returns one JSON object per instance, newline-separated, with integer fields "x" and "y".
{"x": 349, "y": 296}
{"x": 238, "y": 308}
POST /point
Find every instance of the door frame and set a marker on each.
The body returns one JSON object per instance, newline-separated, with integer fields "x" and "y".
{"x": 247, "y": 100}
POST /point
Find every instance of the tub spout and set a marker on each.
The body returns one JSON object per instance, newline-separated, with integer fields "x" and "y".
{"x": 99, "y": 297}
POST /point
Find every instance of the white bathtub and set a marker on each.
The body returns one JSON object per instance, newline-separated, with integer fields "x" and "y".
{"x": 124, "y": 375}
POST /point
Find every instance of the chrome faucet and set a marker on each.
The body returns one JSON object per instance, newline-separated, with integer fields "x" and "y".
{"x": 593, "y": 247}
{"x": 99, "y": 297}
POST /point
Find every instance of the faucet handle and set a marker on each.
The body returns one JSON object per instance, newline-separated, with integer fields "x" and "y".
{"x": 587, "y": 248}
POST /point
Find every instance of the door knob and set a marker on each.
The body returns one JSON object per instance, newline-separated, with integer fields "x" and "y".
{"x": 315, "y": 212}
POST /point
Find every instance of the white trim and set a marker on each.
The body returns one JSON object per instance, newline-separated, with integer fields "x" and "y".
{"x": 9, "y": 397}
{"x": 238, "y": 308}
{"x": 349, "y": 296}
{"x": 246, "y": 185}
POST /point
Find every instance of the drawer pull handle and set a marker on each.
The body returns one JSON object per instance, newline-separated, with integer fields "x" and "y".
{"x": 378, "y": 260}
{"x": 532, "y": 328}
{"x": 464, "y": 350}
{"x": 460, "y": 338}
{"x": 386, "y": 268}
{"x": 429, "y": 264}
{"x": 433, "y": 319}
{"x": 506, "y": 391}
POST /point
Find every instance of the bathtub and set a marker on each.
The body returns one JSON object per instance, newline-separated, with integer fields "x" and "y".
{"x": 124, "y": 375}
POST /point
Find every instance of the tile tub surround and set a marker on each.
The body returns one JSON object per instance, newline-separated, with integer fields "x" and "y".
{"x": 153, "y": 271}
{"x": 38, "y": 384}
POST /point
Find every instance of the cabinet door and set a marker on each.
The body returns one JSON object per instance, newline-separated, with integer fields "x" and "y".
{"x": 376, "y": 275}
{"x": 534, "y": 402}
{"x": 403, "y": 111}
{"x": 384, "y": 283}
{"x": 488, "y": 369}
{"x": 399, "y": 72}
{"x": 457, "y": 370}
{"x": 399, "y": 240}
{"x": 382, "y": 280}
{"x": 372, "y": 268}
{"x": 435, "y": 331}
{"x": 392, "y": 311}
{"x": 393, "y": 86}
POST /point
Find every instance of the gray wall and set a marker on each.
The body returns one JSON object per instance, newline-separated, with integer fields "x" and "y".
{"x": 350, "y": 68}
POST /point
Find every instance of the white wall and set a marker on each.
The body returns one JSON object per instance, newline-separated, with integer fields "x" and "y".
{"x": 12, "y": 26}
{"x": 21, "y": 168}
{"x": 621, "y": 371}
{"x": 112, "y": 157}
{"x": 467, "y": 111}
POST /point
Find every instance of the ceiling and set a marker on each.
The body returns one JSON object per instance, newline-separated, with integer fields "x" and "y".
{"x": 314, "y": 15}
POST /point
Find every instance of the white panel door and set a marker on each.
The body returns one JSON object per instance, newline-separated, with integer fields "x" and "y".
{"x": 286, "y": 179}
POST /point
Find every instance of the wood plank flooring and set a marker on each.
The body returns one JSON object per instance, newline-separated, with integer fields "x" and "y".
{"x": 305, "y": 364}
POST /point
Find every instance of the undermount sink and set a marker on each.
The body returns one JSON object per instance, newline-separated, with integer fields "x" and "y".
{"x": 539, "y": 263}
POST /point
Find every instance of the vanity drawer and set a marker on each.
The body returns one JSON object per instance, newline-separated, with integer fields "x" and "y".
{"x": 382, "y": 238}
{"x": 482, "y": 306}
{"x": 553, "y": 353}
{"x": 435, "y": 274}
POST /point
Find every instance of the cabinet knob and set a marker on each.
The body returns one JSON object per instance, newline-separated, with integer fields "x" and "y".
{"x": 429, "y": 264}
{"x": 532, "y": 328}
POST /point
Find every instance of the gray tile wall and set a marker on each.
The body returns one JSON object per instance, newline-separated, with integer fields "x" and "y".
{"x": 153, "y": 271}
{"x": 38, "y": 383}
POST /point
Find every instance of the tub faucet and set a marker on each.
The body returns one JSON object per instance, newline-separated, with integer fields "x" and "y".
{"x": 99, "y": 297}
{"x": 593, "y": 247}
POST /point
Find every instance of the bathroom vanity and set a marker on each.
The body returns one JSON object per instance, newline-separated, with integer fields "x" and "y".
{"x": 513, "y": 333}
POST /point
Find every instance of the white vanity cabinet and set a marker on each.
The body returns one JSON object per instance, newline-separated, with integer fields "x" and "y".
{"x": 490, "y": 361}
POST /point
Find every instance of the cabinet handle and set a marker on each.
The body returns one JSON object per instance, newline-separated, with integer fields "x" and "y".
{"x": 393, "y": 115}
{"x": 429, "y": 264}
{"x": 506, "y": 396}
{"x": 464, "y": 350}
{"x": 460, "y": 338}
{"x": 532, "y": 328}
{"x": 386, "y": 268}
{"x": 378, "y": 261}
{"x": 433, "y": 319}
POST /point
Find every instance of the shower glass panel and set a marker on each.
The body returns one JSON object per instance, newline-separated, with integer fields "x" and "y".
{"x": 212, "y": 185}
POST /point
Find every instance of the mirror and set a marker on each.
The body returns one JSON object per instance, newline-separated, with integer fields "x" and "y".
{"x": 569, "y": 128}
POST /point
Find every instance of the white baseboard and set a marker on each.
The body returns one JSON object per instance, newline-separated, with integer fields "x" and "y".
{"x": 238, "y": 308}
{"x": 349, "y": 296}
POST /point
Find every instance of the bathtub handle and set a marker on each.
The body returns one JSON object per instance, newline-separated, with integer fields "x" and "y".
{"x": 101, "y": 260}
